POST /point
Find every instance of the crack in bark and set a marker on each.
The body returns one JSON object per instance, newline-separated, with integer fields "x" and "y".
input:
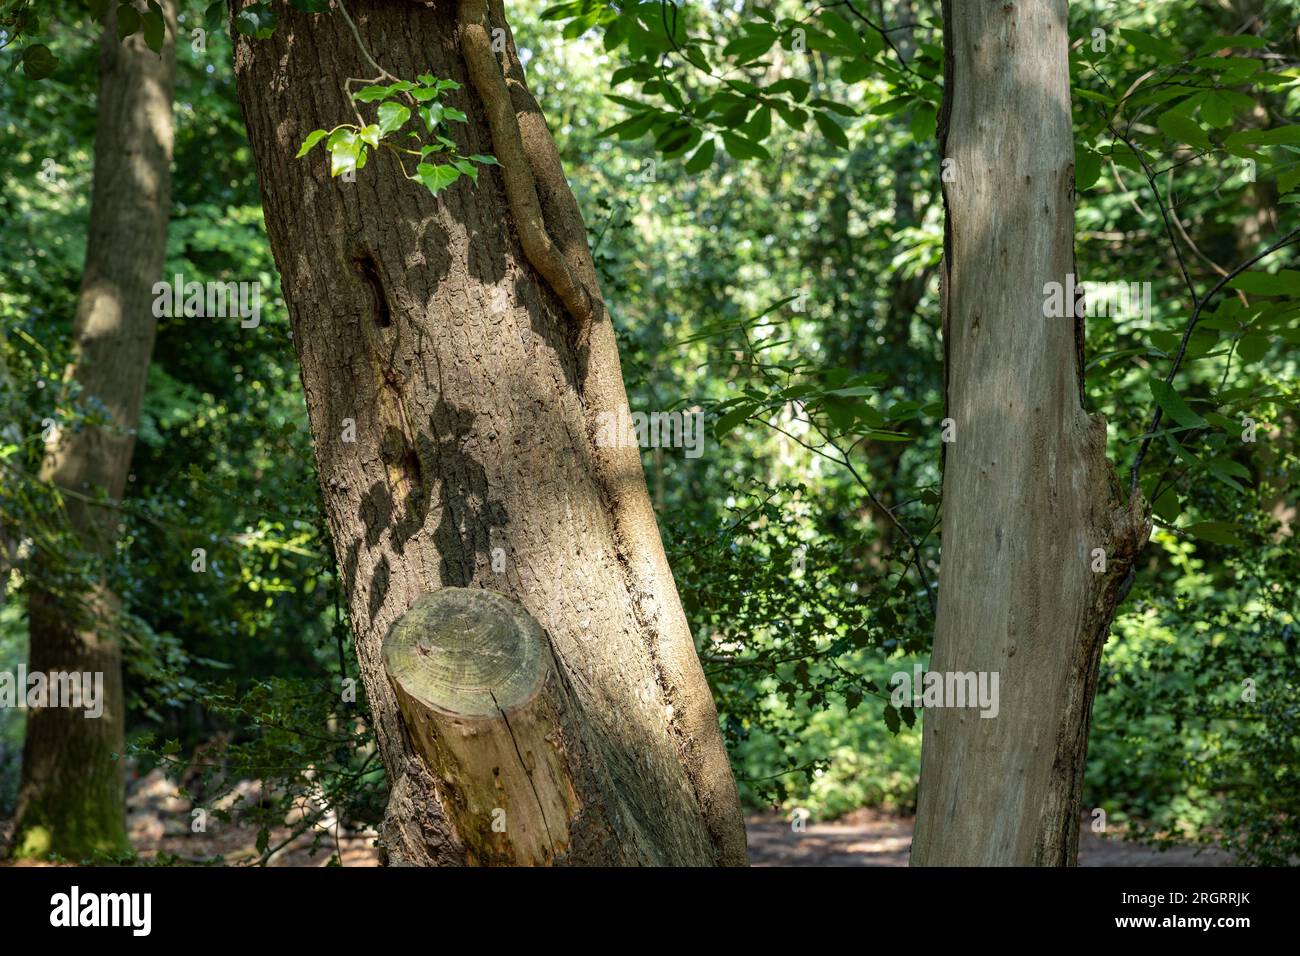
{"x": 369, "y": 273}
{"x": 532, "y": 785}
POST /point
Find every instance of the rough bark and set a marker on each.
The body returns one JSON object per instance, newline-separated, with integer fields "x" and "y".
{"x": 71, "y": 800}
{"x": 1028, "y": 492}
{"x": 466, "y": 336}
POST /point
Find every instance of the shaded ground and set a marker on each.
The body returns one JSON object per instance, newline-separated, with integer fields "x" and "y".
{"x": 158, "y": 821}
{"x": 872, "y": 838}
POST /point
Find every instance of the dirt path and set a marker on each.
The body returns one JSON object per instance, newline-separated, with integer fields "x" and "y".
{"x": 871, "y": 838}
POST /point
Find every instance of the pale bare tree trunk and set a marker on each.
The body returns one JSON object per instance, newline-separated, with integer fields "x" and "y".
{"x": 71, "y": 800}
{"x": 1028, "y": 493}
{"x": 465, "y": 336}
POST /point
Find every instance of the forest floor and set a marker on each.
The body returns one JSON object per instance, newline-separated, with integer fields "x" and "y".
{"x": 157, "y": 821}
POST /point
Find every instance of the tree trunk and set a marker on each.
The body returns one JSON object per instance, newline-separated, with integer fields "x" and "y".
{"x": 465, "y": 337}
{"x": 1028, "y": 493}
{"x": 71, "y": 800}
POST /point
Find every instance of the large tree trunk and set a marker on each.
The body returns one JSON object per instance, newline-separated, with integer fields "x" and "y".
{"x": 71, "y": 800}
{"x": 1028, "y": 492}
{"x": 476, "y": 370}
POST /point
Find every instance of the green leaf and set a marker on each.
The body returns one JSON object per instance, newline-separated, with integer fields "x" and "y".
{"x": 485, "y": 160}
{"x": 345, "y": 148}
{"x": 832, "y": 130}
{"x": 1167, "y": 507}
{"x": 1285, "y": 282}
{"x": 214, "y": 17}
{"x": 833, "y": 106}
{"x": 1216, "y": 110}
{"x": 314, "y": 137}
{"x": 752, "y": 45}
{"x": 1087, "y": 167}
{"x": 1216, "y": 532}
{"x": 369, "y": 94}
{"x": 633, "y": 127}
{"x": 432, "y": 115}
{"x": 455, "y": 115}
{"x": 702, "y": 158}
{"x": 39, "y": 62}
{"x": 257, "y": 20}
{"x": 392, "y": 116}
{"x": 798, "y": 89}
{"x": 1242, "y": 41}
{"x": 847, "y": 33}
{"x": 437, "y": 178}
{"x": 890, "y": 107}
{"x": 1223, "y": 465}
{"x": 1252, "y": 347}
{"x": 1277, "y": 136}
{"x": 1152, "y": 46}
{"x": 742, "y": 148}
{"x": 1287, "y": 181}
{"x": 128, "y": 21}
{"x": 856, "y": 70}
{"x": 892, "y": 719}
{"x": 369, "y": 135}
{"x": 155, "y": 27}
{"x": 1182, "y": 128}
{"x": 728, "y": 422}
{"x": 925, "y": 121}
{"x": 1174, "y": 406}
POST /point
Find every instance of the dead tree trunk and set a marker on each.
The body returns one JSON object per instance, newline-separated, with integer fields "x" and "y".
{"x": 1028, "y": 493}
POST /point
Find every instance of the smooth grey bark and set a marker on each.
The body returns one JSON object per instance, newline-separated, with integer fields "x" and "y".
{"x": 1027, "y": 491}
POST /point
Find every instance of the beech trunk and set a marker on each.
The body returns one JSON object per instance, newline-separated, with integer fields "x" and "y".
{"x": 476, "y": 393}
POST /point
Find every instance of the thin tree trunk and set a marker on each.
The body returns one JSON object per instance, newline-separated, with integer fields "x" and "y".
{"x": 1028, "y": 492}
{"x": 71, "y": 800}
{"x": 465, "y": 336}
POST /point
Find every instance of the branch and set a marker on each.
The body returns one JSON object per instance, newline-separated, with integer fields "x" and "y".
{"x": 521, "y": 189}
{"x": 1199, "y": 306}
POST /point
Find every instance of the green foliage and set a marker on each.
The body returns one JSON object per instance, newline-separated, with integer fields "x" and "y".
{"x": 799, "y": 650}
{"x": 1195, "y": 726}
{"x": 349, "y": 144}
{"x": 778, "y": 269}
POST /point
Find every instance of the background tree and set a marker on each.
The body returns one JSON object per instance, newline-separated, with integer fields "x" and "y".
{"x": 71, "y": 800}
